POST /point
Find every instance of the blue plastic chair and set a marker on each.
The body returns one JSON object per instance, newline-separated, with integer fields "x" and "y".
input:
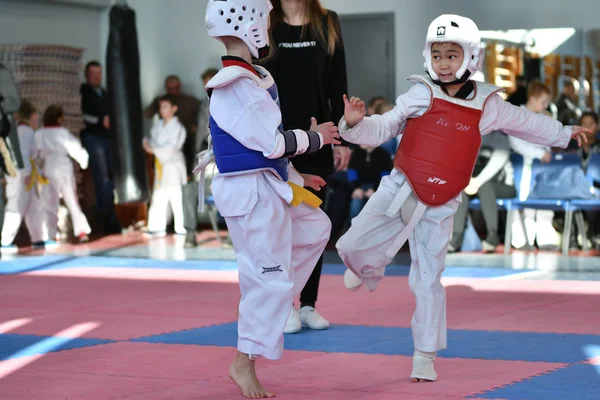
{"x": 559, "y": 161}
{"x": 593, "y": 174}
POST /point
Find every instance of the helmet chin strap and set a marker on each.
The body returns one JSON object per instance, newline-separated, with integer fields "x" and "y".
{"x": 463, "y": 79}
{"x": 263, "y": 52}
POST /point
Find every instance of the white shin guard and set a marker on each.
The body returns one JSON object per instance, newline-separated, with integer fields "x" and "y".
{"x": 423, "y": 366}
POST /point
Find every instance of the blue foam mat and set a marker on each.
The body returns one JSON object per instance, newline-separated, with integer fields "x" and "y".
{"x": 16, "y": 346}
{"x": 576, "y": 382}
{"x": 488, "y": 345}
{"x": 58, "y": 262}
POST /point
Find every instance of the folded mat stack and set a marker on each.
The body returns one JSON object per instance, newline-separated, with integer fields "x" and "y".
{"x": 48, "y": 74}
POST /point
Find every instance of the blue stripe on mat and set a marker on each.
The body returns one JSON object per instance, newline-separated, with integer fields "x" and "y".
{"x": 488, "y": 345}
{"x": 46, "y": 263}
{"x": 56, "y": 262}
{"x": 580, "y": 382}
{"x": 16, "y": 346}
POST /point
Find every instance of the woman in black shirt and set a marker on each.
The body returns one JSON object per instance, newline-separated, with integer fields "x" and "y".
{"x": 308, "y": 64}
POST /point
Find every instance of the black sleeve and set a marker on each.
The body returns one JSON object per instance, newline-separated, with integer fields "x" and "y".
{"x": 291, "y": 142}
{"x": 338, "y": 80}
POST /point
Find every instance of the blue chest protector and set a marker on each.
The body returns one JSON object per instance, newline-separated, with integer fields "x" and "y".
{"x": 232, "y": 157}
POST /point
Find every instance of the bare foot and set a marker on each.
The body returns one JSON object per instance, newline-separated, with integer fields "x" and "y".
{"x": 243, "y": 374}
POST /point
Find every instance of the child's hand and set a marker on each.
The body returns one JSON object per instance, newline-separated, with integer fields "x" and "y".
{"x": 579, "y": 134}
{"x": 369, "y": 193}
{"x": 473, "y": 187}
{"x": 146, "y": 146}
{"x": 358, "y": 194}
{"x": 328, "y": 130}
{"x": 313, "y": 181}
{"x": 354, "y": 110}
{"x": 546, "y": 158}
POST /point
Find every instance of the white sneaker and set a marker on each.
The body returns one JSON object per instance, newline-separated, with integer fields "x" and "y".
{"x": 312, "y": 319}
{"x": 293, "y": 324}
{"x": 351, "y": 281}
{"x": 9, "y": 249}
{"x": 487, "y": 247}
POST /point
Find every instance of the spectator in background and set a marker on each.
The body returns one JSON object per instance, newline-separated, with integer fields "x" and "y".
{"x": 53, "y": 149}
{"x": 374, "y": 103}
{"x": 566, "y": 104}
{"x": 308, "y": 64}
{"x": 590, "y": 121}
{"x": 519, "y": 96}
{"x": 391, "y": 145}
{"x": 538, "y": 223}
{"x": 493, "y": 178}
{"x": 190, "y": 190}
{"x": 96, "y": 139}
{"x": 367, "y": 166}
{"x": 188, "y": 109}
{"x": 22, "y": 197}
{"x": 165, "y": 143}
{"x": 567, "y": 109}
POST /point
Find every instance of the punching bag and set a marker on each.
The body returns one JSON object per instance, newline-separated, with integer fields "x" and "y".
{"x": 123, "y": 82}
{"x": 10, "y": 150}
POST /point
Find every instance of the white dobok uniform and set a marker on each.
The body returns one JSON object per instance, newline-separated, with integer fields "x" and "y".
{"x": 53, "y": 149}
{"x": 166, "y": 142}
{"x": 277, "y": 244}
{"x": 23, "y": 202}
{"x": 393, "y": 214}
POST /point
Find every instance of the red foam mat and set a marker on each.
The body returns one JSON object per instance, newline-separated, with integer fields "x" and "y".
{"x": 153, "y": 372}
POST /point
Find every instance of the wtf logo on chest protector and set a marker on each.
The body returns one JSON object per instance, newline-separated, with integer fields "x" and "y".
{"x": 436, "y": 180}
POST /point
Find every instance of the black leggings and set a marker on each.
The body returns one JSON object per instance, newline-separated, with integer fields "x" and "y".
{"x": 488, "y": 193}
{"x": 308, "y": 296}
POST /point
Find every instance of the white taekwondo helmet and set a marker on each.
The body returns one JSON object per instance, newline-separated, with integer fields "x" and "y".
{"x": 244, "y": 19}
{"x": 462, "y": 31}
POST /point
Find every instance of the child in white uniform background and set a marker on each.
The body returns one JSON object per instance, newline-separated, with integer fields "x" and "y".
{"x": 54, "y": 147}
{"x": 166, "y": 143}
{"x": 538, "y": 222}
{"x": 440, "y": 121}
{"x": 277, "y": 230}
{"x": 22, "y": 195}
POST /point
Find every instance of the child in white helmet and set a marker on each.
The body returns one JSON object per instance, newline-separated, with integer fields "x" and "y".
{"x": 276, "y": 227}
{"x": 440, "y": 121}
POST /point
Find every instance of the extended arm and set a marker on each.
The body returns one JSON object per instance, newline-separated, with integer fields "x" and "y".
{"x": 378, "y": 129}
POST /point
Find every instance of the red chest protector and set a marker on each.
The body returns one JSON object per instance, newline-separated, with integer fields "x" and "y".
{"x": 438, "y": 150}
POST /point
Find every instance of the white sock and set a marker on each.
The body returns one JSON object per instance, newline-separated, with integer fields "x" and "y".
{"x": 423, "y": 366}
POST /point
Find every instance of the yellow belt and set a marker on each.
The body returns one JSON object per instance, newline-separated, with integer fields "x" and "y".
{"x": 35, "y": 177}
{"x": 158, "y": 168}
{"x": 303, "y": 195}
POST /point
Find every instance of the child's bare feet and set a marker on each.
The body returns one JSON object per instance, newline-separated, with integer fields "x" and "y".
{"x": 423, "y": 370}
{"x": 243, "y": 374}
